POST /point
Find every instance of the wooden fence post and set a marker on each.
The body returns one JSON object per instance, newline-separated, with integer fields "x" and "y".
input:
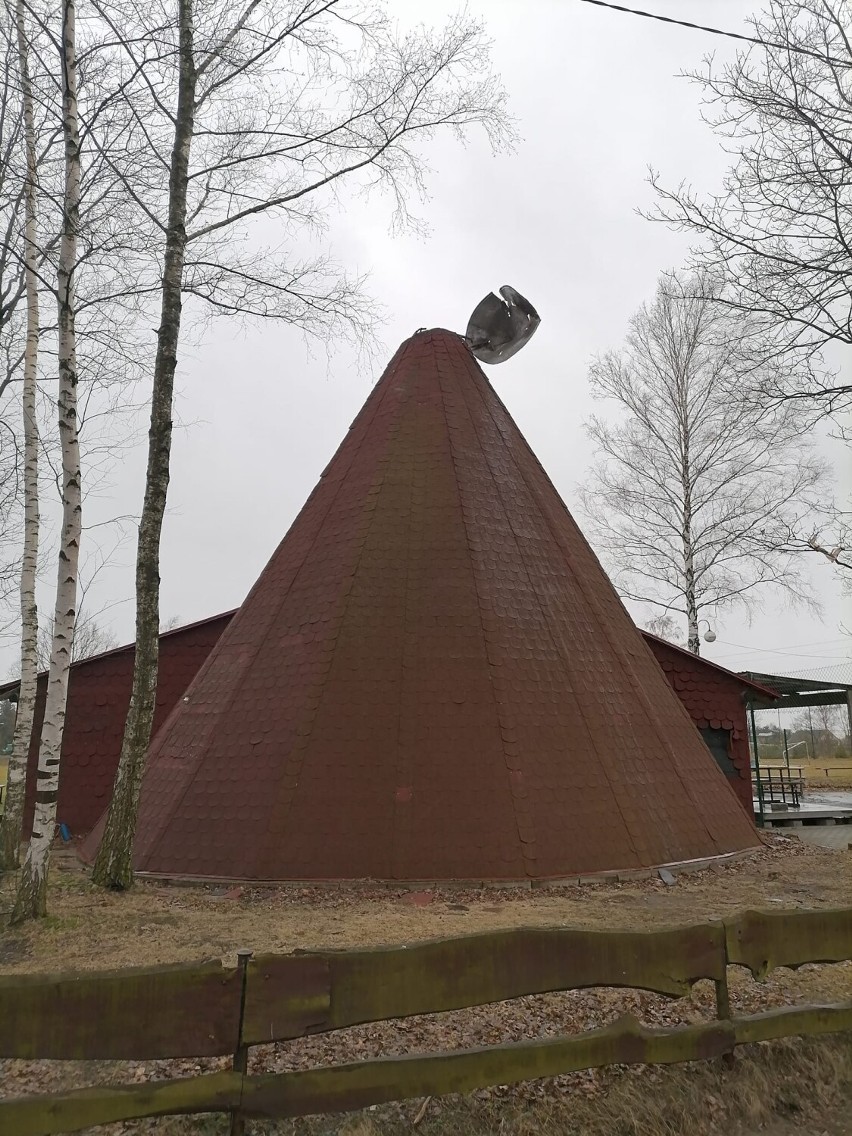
{"x": 723, "y": 1006}
{"x": 240, "y": 1062}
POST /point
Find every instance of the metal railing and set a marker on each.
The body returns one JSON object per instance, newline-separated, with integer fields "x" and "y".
{"x": 779, "y": 785}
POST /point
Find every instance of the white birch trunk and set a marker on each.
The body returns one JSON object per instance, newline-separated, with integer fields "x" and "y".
{"x": 693, "y": 640}
{"x": 113, "y": 866}
{"x": 10, "y": 826}
{"x": 31, "y": 900}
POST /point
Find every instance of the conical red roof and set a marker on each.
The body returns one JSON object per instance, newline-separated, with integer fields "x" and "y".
{"x": 432, "y": 679}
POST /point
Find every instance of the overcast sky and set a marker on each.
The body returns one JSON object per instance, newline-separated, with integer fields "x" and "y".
{"x": 597, "y": 100}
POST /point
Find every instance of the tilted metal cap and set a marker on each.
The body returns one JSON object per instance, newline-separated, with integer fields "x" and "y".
{"x": 499, "y": 328}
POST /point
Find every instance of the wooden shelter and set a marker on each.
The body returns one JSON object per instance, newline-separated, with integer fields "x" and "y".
{"x": 432, "y": 679}
{"x": 98, "y": 697}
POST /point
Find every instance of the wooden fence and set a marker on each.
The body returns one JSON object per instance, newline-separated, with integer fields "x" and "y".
{"x": 207, "y": 1010}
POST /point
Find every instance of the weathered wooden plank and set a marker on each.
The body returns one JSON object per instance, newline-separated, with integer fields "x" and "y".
{"x": 84, "y": 1108}
{"x": 764, "y": 940}
{"x": 290, "y": 996}
{"x": 133, "y": 1014}
{"x": 345, "y": 1087}
{"x": 286, "y": 996}
{"x": 799, "y": 1021}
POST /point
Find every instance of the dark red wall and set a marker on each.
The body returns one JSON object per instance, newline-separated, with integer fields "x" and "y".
{"x": 98, "y": 697}
{"x": 715, "y": 700}
{"x": 99, "y": 693}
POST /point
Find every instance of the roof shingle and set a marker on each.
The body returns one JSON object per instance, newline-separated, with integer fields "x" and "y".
{"x": 433, "y": 678}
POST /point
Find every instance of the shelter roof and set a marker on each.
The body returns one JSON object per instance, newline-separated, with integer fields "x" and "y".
{"x": 433, "y": 678}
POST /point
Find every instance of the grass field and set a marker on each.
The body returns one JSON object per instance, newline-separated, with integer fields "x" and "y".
{"x": 822, "y": 772}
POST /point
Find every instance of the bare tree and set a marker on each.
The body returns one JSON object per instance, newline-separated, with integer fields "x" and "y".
{"x": 11, "y": 183}
{"x": 90, "y": 638}
{"x": 822, "y": 728}
{"x": 830, "y": 537}
{"x": 778, "y": 232}
{"x": 82, "y": 261}
{"x": 11, "y": 293}
{"x": 12, "y": 820}
{"x": 31, "y": 898}
{"x": 263, "y": 111}
{"x": 665, "y": 626}
{"x": 691, "y": 496}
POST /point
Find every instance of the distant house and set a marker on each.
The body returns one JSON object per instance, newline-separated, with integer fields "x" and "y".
{"x": 716, "y": 700}
{"x": 98, "y": 697}
{"x": 99, "y": 694}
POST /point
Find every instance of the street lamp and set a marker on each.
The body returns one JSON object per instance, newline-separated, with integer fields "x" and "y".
{"x": 709, "y": 635}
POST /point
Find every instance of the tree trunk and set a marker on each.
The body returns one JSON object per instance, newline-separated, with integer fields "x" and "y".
{"x": 31, "y": 900}
{"x": 11, "y": 822}
{"x": 693, "y": 638}
{"x": 113, "y": 866}
{"x": 693, "y": 641}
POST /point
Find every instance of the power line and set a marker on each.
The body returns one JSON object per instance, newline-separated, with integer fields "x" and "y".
{"x": 771, "y": 651}
{"x": 842, "y": 639}
{"x": 719, "y": 32}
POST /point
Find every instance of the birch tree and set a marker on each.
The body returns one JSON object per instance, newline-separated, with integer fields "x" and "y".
{"x": 691, "y": 496}
{"x": 12, "y": 820}
{"x": 830, "y": 537}
{"x": 84, "y": 260}
{"x": 265, "y": 112}
{"x": 11, "y": 292}
{"x": 778, "y": 230}
{"x": 31, "y": 899}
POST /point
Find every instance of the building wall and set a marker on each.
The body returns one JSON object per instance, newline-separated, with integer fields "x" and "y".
{"x": 714, "y": 701}
{"x": 99, "y": 694}
{"x": 98, "y": 697}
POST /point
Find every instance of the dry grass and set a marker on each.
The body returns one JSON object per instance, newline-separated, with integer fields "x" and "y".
{"x": 839, "y": 774}
{"x": 800, "y": 1087}
{"x": 766, "y": 1083}
{"x": 88, "y": 929}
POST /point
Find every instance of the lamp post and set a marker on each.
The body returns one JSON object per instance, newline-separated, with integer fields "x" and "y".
{"x": 709, "y": 635}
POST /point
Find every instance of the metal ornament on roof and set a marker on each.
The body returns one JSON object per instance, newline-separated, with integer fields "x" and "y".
{"x": 499, "y": 327}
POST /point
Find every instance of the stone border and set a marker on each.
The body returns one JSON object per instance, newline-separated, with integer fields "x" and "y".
{"x": 628, "y": 875}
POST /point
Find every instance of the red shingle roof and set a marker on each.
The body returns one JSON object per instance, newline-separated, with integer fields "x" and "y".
{"x": 433, "y": 678}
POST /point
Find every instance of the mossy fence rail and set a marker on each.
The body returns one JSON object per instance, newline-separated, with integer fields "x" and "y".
{"x": 207, "y": 1010}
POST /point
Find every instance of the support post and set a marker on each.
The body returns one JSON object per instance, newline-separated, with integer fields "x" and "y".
{"x": 761, "y": 818}
{"x": 811, "y": 731}
{"x": 240, "y": 1063}
{"x": 723, "y": 999}
{"x": 723, "y": 1009}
